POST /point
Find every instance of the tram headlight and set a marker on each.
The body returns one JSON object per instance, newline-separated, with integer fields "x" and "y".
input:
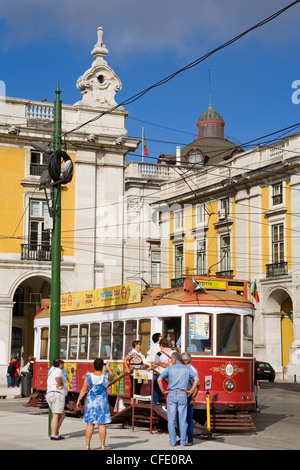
{"x": 229, "y": 384}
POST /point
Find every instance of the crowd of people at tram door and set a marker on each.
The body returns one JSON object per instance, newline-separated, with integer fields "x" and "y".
{"x": 175, "y": 379}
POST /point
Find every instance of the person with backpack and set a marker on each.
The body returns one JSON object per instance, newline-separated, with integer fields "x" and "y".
{"x": 13, "y": 371}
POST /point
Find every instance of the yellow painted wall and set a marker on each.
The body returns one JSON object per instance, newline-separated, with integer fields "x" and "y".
{"x": 12, "y": 163}
{"x": 68, "y": 215}
{"x": 189, "y": 241}
{"x": 13, "y": 213}
{"x": 212, "y": 237}
{"x": 288, "y": 226}
{"x": 265, "y": 228}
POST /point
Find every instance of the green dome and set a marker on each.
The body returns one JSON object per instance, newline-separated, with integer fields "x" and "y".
{"x": 210, "y": 115}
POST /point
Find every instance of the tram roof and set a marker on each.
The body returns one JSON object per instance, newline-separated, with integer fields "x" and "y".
{"x": 155, "y": 296}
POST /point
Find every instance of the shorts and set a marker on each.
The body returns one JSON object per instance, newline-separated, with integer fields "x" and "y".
{"x": 56, "y": 402}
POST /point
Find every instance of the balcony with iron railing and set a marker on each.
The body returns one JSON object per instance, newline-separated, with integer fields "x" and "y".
{"x": 34, "y": 252}
{"x": 277, "y": 269}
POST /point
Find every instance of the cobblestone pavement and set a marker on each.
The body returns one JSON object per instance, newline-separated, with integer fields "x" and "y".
{"x": 277, "y": 428}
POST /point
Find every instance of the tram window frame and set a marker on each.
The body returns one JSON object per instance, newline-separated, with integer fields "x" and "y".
{"x": 44, "y": 343}
{"x": 144, "y": 334}
{"x": 117, "y": 340}
{"x": 211, "y": 335}
{"x": 94, "y": 340}
{"x": 83, "y": 341}
{"x": 107, "y": 344}
{"x": 130, "y": 335}
{"x": 248, "y": 354}
{"x": 63, "y": 336}
{"x": 73, "y": 342}
{"x": 226, "y": 352}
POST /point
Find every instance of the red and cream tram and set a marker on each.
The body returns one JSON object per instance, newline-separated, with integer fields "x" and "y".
{"x": 214, "y": 322}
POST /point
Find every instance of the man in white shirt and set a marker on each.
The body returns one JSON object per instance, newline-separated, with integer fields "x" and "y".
{"x": 154, "y": 348}
{"x": 151, "y": 354}
{"x": 57, "y": 390}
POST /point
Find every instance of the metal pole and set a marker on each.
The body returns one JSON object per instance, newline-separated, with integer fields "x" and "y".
{"x": 56, "y": 246}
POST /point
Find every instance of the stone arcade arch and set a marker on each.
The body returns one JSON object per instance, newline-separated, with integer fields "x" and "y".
{"x": 26, "y": 295}
{"x": 278, "y": 326}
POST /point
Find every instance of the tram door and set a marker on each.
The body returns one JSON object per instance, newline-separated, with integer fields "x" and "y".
{"x": 171, "y": 329}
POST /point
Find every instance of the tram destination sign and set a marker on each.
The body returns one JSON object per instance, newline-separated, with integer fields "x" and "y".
{"x": 97, "y": 298}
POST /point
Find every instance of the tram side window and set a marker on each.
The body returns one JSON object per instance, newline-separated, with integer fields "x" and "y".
{"x": 44, "y": 343}
{"x": 94, "y": 340}
{"x": 105, "y": 340}
{"x": 199, "y": 337}
{"x": 144, "y": 335}
{"x": 63, "y": 341}
{"x": 130, "y": 334}
{"x": 83, "y": 341}
{"x": 228, "y": 334}
{"x": 118, "y": 330}
{"x": 73, "y": 343}
{"x": 248, "y": 336}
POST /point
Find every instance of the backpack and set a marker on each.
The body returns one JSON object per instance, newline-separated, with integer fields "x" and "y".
{"x": 12, "y": 368}
{"x": 30, "y": 368}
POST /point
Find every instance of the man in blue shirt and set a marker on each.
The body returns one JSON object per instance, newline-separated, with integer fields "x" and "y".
{"x": 178, "y": 391}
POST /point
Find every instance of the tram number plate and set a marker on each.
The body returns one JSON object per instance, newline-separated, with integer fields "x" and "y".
{"x": 207, "y": 382}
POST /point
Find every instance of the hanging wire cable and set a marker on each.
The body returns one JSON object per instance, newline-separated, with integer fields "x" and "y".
{"x": 196, "y": 62}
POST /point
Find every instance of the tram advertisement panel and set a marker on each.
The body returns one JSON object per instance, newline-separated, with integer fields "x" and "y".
{"x": 117, "y": 368}
{"x": 97, "y": 298}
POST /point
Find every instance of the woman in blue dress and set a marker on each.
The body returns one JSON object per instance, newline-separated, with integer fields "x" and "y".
{"x": 96, "y": 406}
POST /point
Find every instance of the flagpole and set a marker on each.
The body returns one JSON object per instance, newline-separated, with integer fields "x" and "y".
{"x": 142, "y": 145}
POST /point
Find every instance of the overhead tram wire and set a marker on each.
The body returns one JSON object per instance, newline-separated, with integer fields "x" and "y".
{"x": 196, "y": 62}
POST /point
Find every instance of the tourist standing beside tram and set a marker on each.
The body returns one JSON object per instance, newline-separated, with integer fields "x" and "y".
{"x": 134, "y": 360}
{"x": 178, "y": 391}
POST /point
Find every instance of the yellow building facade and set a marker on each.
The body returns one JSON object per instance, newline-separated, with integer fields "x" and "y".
{"x": 234, "y": 213}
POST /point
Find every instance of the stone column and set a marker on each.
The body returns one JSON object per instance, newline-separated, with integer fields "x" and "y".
{"x": 273, "y": 340}
{"x": 5, "y": 338}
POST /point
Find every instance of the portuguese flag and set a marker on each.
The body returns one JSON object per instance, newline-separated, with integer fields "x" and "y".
{"x": 37, "y": 308}
{"x": 145, "y": 146}
{"x": 254, "y": 292}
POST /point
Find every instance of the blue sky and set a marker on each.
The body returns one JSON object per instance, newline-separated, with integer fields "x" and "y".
{"x": 45, "y": 41}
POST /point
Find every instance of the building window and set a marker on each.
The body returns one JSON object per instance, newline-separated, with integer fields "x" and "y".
{"x": 39, "y": 246}
{"x": 277, "y": 195}
{"x": 200, "y": 214}
{"x": 196, "y": 158}
{"x": 37, "y": 163}
{"x": 225, "y": 206}
{"x": 277, "y": 243}
{"x": 225, "y": 253}
{"x": 201, "y": 257}
{"x": 178, "y": 220}
{"x": 155, "y": 268}
{"x": 178, "y": 260}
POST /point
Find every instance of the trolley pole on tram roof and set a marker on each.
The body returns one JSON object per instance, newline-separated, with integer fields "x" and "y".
{"x": 55, "y": 246}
